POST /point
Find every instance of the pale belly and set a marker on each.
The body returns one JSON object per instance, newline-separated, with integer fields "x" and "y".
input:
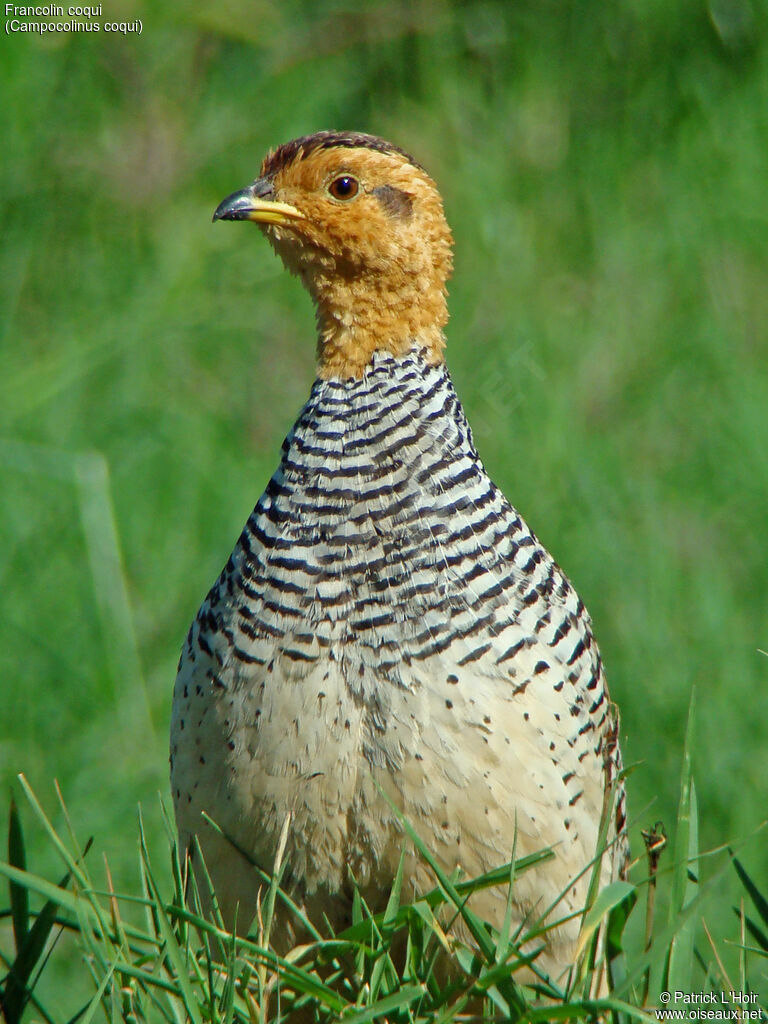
{"x": 326, "y": 750}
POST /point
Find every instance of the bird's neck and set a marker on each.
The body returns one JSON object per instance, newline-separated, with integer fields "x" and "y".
{"x": 360, "y": 315}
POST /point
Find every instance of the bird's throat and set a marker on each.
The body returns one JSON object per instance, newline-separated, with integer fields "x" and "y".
{"x": 358, "y": 320}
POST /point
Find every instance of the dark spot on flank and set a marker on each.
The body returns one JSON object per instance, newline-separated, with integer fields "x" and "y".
{"x": 452, "y": 680}
{"x": 396, "y": 202}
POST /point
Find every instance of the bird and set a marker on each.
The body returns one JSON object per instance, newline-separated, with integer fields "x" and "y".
{"x": 388, "y": 641}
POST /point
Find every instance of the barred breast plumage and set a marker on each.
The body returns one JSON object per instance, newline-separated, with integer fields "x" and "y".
{"x": 387, "y": 621}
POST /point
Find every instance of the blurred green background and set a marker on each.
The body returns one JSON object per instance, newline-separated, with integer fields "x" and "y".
{"x": 605, "y": 171}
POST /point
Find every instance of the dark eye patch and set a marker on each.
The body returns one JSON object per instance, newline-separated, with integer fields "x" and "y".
{"x": 396, "y": 202}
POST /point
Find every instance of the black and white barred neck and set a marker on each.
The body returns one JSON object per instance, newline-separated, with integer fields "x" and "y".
{"x": 381, "y": 530}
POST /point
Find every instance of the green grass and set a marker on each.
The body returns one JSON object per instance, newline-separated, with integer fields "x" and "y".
{"x": 603, "y": 167}
{"x": 150, "y": 955}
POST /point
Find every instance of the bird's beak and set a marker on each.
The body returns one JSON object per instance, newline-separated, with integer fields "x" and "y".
{"x": 256, "y": 203}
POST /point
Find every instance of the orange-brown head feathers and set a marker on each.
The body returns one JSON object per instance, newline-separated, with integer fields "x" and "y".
{"x": 362, "y": 224}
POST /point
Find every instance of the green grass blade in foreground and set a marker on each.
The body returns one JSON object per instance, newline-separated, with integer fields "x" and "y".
{"x": 493, "y": 977}
{"x": 585, "y": 977}
{"x": 30, "y": 942}
{"x": 17, "y": 983}
{"x": 71, "y": 862}
{"x": 96, "y": 1003}
{"x": 105, "y": 558}
{"x": 393, "y": 902}
{"x": 608, "y": 898}
{"x": 298, "y": 977}
{"x": 760, "y": 937}
{"x": 18, "y": 893}
{"x": 389, "y": 1004}
{"x": 437, "y": 896}
{"x": 121, "y": 939}
{"x": 274, "y": 884}
{"x": 679, "y": 967}
{"x": 589, "y": 1010}
{"x": 615, "y": 954}
{"x": 74, "y": 862}
{"x": 227, "y": 1001}
{"x": 664, "y": 940}
{"x": 760, "y": 901}
{"x": 384, "y": 976}
{"x": 477, "y": 928}
{"x": 505, "y": 933}
{"x": 179, "y": 960}
{"x": 292, "y": 906}
{"x": 57, "y": 895}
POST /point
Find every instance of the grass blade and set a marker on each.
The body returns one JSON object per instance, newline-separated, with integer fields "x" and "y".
{"x": 18, "y": 893}
{"x": 611, "y": 896}
{"x": 389, "y": 1004}
{"x": 91, "y": 472}
{"x": 29, "y": 952}
{"x": 760, "y": 902}
{"x": 684, "y": 885}
{"x": 174, "y": 952}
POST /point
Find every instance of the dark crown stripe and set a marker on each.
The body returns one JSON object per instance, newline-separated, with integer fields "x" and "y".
{"x": 303, "y": 147}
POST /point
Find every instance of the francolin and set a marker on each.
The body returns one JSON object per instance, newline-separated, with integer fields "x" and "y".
{"x": 387, "y": 622}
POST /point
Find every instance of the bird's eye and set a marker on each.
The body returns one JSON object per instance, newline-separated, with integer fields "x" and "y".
{"x": 345, "y": 187}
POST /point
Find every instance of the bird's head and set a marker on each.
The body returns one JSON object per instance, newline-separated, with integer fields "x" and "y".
{"x": 362, "y": 224}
